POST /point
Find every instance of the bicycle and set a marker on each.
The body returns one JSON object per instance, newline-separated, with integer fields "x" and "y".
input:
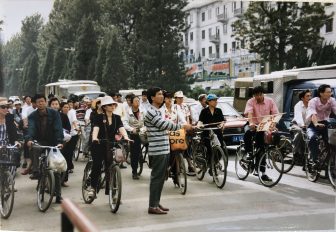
{"x": 114, "y": 179}
{"x": 177, "y": 171}
{"x": 143, "y": 158}
{"x": 46, "y": 180}
{"x": 81, "y": 138}
{"x": 271, "y": 162}
{"x": 219, "y": 158}
{"x": 8, "y": 164}
{"x": 286, "y": 147}
{"x": 326, "y": 159}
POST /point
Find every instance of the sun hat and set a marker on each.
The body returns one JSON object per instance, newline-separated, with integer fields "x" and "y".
{"x": 179, "y": 94}
{"x": 107, "y": 100}
{"x": 3, "y": 102}
{"x": 211, "y": 97}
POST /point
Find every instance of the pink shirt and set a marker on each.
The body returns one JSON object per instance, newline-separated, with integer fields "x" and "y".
{"x": 267, "y": 107}
{"x": 322, "y": 111}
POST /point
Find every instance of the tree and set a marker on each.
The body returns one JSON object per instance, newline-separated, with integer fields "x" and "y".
{"x": 46, "y": 72}
{"x": 30, "y": 75}
{"x": 277, "y": 31}
{"x": 115, "y": 72}
{"x": 85, "y": 48}
{"x": 1, "y": 69}
{"x": 100, "y": 63}
{"x": 59, "y": 63}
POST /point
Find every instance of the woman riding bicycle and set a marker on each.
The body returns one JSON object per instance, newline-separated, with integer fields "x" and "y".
{"x": 8, "y": 132}
{"x": 211, "y": 115}
{"x": 105, "y": 127}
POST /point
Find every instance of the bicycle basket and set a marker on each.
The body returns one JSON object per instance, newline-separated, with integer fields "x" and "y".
{"x": 9, "y": 156}
{"x": 332, "y": 136}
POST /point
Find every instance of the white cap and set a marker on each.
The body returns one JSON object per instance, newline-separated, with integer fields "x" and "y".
{"x": 17, "y": 103}
{"x": 179, "y": 94}
{"x": 107, "y": 100}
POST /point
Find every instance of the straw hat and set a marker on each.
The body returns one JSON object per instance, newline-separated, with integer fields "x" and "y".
{"x": 107, "y": 100}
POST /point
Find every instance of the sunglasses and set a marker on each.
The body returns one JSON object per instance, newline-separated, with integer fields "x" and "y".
{"x": 109, "y": 104}
{"x": 4, "y": 107}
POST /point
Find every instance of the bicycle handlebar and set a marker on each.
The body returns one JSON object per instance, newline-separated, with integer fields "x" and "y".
{"x": 41, "y": 146}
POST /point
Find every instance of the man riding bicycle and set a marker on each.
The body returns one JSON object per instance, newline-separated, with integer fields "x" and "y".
{"x": 256, "y": 108}
{"x": 319, "y": 110}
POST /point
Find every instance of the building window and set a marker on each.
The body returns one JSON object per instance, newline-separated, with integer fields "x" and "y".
{"x": 242, "y": 44}
{"x": 217, "y": 11}
{"x": 209, "y": 13}
{"x": 225, "y": 48}
{"x": 191, "y": 36}
{"x": 191, "y": 17}
{"x": 203, "y": 16}
{"x": 329, "y": 25}
{"x": 203, "y": 52}
{"x": 328, "y": 4}
{"x": 191, "y": 51}
{"x": 210, "y": 32}
{"x": 224, "y": 28}
{"x": 210, "y": 50}
{"x": 203, "y": 34}
{"x": 233, "y": 45}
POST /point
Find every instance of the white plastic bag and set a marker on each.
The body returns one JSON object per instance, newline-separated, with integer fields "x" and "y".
{"x": 66, "y": 135}
{"x": 56, "y": 160}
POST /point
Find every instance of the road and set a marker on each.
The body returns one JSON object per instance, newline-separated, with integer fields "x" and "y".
{"x": 294, "y": 204}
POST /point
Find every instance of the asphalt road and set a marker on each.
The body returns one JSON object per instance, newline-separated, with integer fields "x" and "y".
{"x": 295, "y": 204}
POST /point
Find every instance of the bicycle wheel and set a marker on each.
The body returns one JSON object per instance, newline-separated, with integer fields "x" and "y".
{"x": 287, "y": 148}
{"x": 126, "y": 152}
{"x": 270, "y": 167}
{"x": 312, "y": 174}
{"x": 181, "y": 173}
{"x": 78, "y": 148}
{"x": 218, "y": 166}
{"x": 6, "y": 194}
{"x": 242, "y": 166}
{"x": 199, "y": 160}
{"x": 332, "y": 169}
{"x": 45, "y": 190}
{"x": 115, "y": 186}
{"x": 86, "y": 183}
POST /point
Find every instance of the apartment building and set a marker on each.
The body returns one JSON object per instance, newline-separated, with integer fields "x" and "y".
{"x": 209, "y": 45}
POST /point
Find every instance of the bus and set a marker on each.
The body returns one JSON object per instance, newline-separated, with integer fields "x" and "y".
{"x": 80, "y": 88}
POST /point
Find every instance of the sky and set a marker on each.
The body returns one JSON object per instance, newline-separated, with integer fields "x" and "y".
{"x": 12, "y": 12}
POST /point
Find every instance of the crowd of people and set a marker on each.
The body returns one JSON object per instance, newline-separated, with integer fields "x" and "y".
{"x": 56, "y": 121}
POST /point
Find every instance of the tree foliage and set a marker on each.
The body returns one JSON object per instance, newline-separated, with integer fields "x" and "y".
{"x": 279, "y": 31}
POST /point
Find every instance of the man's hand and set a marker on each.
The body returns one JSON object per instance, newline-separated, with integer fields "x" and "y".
{"x": 17, "y": 144}
{"x": 187, "y": 127}
{"x": 60, "y": 146}
{"x": 252, "y": 126}
{"x": 221, "y": 125}
{"x": 319, "y": 125}
{"x": 29, "y": 144}
{"x": 134, "y": 131}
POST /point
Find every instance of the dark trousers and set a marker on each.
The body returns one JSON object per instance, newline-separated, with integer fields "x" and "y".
{"x": 313, "y": 133}
{"x": 159, "y": 167}
{"x": 98, "y": 152}
{"x": 67, "y": 152}
{"x": 135, "y": 152}
{"x": 259, "y": 144}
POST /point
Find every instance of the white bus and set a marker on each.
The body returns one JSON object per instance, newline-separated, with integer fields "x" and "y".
{"x": 79, "y": 88}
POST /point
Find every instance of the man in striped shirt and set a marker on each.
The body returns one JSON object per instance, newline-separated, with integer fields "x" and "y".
{"x": 159, "y": 148}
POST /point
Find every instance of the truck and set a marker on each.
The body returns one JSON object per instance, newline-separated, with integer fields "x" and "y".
{"x": 80, "y": 88}
{"x": 284, "y": 87}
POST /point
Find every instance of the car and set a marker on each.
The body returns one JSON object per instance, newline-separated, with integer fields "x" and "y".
{"x": 234, "y": 126}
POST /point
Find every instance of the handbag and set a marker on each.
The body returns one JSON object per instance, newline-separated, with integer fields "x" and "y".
{"x": 177, "y": 140}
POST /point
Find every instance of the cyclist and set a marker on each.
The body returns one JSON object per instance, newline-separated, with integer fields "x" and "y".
{"x": 300, "y": 122}
{"x": 8, "y": 132}
{"x": 256, "y": 108}
{"x": 106, "y": 124}
{"x": 319, "y": 110}
{"x": 208, "y": 115}
{"x": 44, "y": 126}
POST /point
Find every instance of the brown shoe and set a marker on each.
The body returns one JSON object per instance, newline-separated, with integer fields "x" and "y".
{"x": 156, "y": 210}
{"x": 163, "y": 208}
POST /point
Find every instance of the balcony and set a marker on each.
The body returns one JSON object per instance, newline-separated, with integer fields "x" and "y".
{"x": 214, "y": 38}
{"x": 223, "y": 18}
{"x": 238, "y": 12}
{"x": 214, "y": 56}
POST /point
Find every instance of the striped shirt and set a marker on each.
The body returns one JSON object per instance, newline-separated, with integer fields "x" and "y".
{"x": 3, "y": 134}
{"x": 157, "y": 131}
